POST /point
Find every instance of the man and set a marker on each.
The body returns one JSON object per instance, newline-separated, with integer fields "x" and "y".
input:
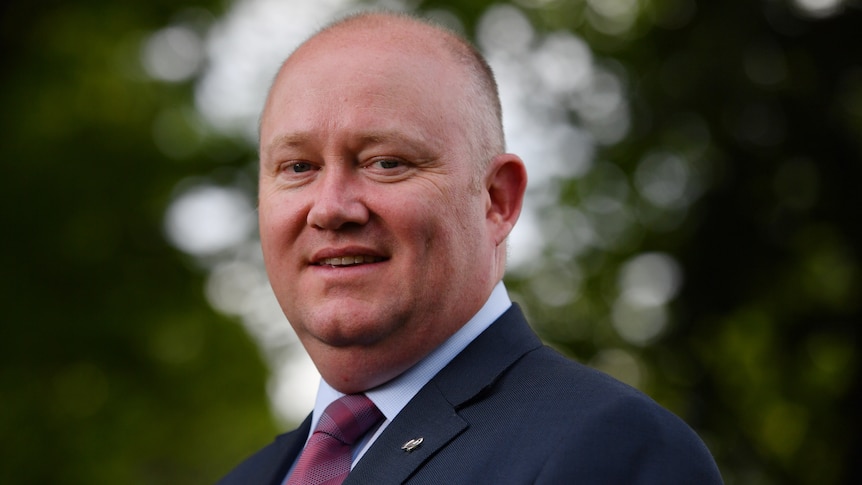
{"x": 386, "y": 198}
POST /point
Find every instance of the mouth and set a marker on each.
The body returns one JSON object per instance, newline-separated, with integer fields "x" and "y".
{"x": 342, "y": 261}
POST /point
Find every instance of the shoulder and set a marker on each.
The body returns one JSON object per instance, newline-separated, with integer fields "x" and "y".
{"x": 270, "y": 464}
{"x": 620, "y": 434}
{"x": 546, "y": 419}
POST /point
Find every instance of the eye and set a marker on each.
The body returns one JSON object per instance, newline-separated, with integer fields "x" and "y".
{"x": 388, "y": 164}
{"x": 300, "y": 167}
{"x": 389, "y": 169}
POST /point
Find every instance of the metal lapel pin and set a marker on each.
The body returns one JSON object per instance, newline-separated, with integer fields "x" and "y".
{"x": 412, "y": 444}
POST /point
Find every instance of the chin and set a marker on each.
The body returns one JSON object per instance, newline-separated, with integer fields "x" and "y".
{"x": 357, "y": 370}
{"x": 344, "y": 331}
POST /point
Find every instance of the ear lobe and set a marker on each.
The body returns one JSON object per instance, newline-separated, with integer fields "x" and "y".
{"x": 506, "y": 183}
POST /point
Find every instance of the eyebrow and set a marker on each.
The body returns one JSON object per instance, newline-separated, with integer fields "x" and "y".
{"x": 377, "y": 137}
{"x": 383, "y": 137}
{"x": 287, "y": 140}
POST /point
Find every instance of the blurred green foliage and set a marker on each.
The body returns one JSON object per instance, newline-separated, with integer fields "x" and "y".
{"x": 114, "y": 369}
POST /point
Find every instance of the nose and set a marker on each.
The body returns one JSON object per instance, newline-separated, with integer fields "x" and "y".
{"x": 337, "y": 200}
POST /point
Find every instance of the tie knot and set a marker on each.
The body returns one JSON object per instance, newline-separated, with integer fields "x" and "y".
{"x": 348, "y": 418}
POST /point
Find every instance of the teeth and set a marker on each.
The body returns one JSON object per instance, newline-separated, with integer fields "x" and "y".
{"x": 350, "y": 260}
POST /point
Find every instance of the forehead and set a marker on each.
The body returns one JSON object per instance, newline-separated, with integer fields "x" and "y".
{"x": 365, "y": 77}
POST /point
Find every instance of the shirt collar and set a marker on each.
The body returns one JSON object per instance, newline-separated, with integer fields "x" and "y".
{"x": 392, "y": 396}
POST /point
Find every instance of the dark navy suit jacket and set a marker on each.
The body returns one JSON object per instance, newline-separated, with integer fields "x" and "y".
{"x": 508, "y": 410}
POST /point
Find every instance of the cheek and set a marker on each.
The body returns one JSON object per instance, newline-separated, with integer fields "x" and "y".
{"x": 467, "y": 239}
{"x": 279, "y": 232}
{"x": 278, "y": 219}
{"x": 451, "y": 235}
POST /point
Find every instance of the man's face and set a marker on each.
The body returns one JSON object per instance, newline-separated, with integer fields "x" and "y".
{"x": 372, "y": 215}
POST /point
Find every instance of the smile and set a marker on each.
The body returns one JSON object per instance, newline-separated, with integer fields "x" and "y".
{"x": 350, "y": 260}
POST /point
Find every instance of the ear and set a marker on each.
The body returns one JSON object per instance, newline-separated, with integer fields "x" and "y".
{"x": 506, "y": 183}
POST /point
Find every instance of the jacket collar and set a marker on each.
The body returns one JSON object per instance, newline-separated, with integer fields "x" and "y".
{"x": 433, "y": 413}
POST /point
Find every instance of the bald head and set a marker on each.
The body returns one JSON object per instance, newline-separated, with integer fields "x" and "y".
{"x": 474, "y": 94}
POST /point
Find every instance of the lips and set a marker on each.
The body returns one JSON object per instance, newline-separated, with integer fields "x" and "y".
{"x": 350, "y": 260}
{"x": 344, "y": 256}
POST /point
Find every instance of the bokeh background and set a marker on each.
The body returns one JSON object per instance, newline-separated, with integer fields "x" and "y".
{"x": 693, "y": 224}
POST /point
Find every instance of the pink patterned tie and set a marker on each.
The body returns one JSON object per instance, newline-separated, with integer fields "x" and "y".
{"x": 327, "y": 456}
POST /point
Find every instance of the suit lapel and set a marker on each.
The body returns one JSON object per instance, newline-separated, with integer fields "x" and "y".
{"x": 270, "y": 465}
{"x": 435, "y": 422}
{"x": 287, "y": 448}
{"x": 433, "y": 413}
